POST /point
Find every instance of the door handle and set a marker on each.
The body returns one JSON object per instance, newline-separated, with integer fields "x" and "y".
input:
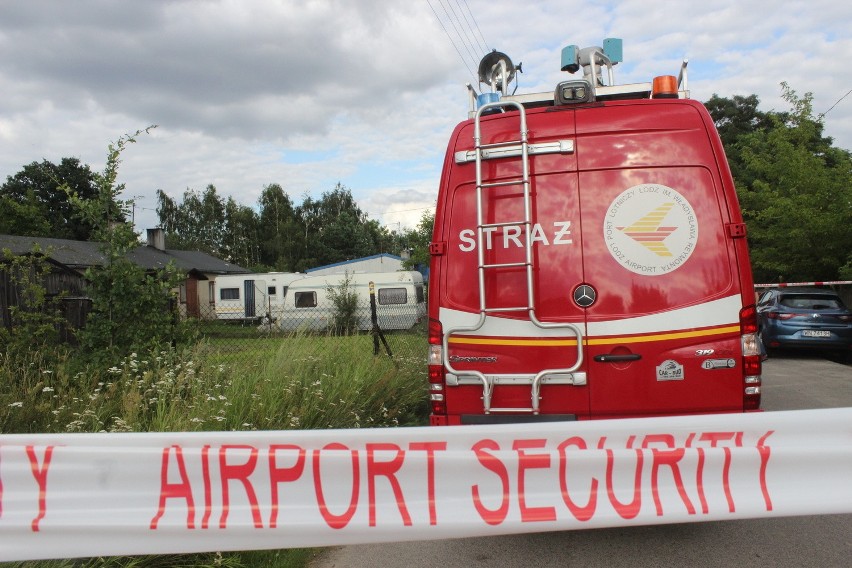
{"x": 610, "y": 358}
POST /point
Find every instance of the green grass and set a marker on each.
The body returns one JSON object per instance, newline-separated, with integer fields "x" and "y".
{"x": 254, "y": 383}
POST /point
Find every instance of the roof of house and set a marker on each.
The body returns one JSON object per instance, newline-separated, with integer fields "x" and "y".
{"x": 82, "y": 254}
{"x": 355, "y": 261}
{"x": 152, "y": 258}
{"x": 75, "y": 254}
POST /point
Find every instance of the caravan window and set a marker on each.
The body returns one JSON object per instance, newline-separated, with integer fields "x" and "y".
{"x": 229, "y": 294}
{"x": 306, "y": 299}
{"x": 270, "y": 290}
{"x": 389, "y": 296}
{"x": 421, "y": 297}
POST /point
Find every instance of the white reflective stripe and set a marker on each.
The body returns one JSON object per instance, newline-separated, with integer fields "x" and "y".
{"x": 75, "y": 495}
{"x": 724, "y": 311}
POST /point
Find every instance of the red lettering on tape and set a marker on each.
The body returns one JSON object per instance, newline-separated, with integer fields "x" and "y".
{"x": 180, "y": 490}
{"x": 430, "y": 448}
{"x": 667, "y": 457}
{"x": 336, "y": 521}
{"x": 714, "y": 438}
{"x": 493, "y": 464}
{"x": 631, "y": 509}
{"x": 282, "y": 475}
{"x": 386, "y": 469}
{"x": 531, "y": 461}
{"x": 764, "y": 452}
{"x": 40, "y": 476}
{"x": 208, "y": 492}
{"x": 587, "y": 511}
{"x": 241, "y": 473}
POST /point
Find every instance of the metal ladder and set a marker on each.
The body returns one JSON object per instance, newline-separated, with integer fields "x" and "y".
{"x": 525, "y": 224}
{"x": 511, "y": 148}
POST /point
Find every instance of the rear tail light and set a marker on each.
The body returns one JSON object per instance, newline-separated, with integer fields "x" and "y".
{"x": 437, "y": 374}
{"x": 752, "y": 366}
{"x": 776, "y": 315}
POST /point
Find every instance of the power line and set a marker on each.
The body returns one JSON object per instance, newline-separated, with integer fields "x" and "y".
{"x": 465, "y": 38}
{"x": 408, "y": 210}
{"x": 452, "y": 41}
{"x": 484, "y": 43}
{"x": 837, "y": 103}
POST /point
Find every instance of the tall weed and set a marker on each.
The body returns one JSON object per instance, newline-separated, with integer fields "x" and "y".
{"x": 293, "y": 382}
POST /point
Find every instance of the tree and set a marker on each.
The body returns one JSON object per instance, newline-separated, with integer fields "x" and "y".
{"x": 240, "y": 241}
{"x": 35, "y": 316}
{"x": 335, "y": 229}
{"x": 344, "y": 299}
{"x": 279, "y": 230}
{"x": 131, "y": 309}
{"x": 795, "y": 189}
{"x": 194, "y": 224}
{"x": 736, "y": 117}
{"x": 34, "y": 203}
{"x": 418, "y": 242}
{"x": 24, "y": 217}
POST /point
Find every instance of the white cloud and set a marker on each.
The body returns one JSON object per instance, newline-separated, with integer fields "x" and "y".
{"x": 366, "y": 93}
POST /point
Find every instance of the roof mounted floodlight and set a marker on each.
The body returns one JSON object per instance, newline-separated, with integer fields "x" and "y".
{"x": 497, "y": 70}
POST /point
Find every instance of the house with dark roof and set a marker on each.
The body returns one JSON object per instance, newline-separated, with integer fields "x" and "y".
{"x": 69, "y": 260}
{"x": 197, "y": 293}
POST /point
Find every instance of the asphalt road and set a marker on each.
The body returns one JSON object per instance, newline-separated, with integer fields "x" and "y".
{"x": 792, "y": 381}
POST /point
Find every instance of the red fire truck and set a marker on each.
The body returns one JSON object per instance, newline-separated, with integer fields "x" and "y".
{"x": 589, "y": 257}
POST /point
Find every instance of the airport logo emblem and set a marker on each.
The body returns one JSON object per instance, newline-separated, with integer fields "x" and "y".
{"x": 650, "y": 229}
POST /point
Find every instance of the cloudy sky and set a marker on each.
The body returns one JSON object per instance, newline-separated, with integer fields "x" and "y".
{"x": 308, "y": 93}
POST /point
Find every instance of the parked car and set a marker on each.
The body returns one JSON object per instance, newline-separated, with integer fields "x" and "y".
{"x": 808, "y": 318}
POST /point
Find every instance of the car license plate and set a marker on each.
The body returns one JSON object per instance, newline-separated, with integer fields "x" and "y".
{"x": 816, "y": 333}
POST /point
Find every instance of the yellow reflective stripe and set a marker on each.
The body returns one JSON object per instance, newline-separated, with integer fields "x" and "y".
{"x": 603, "y": 341}
{"x": 525, "y": 342}
{"x": 665, "y": 336}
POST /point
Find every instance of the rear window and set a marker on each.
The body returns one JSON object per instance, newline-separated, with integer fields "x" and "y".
{"x": 811, "y": 302}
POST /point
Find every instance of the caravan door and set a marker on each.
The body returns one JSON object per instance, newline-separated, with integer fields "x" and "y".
{"x": 254, "y": 298}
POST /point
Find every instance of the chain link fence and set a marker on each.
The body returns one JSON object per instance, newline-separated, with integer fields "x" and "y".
{"x": 398, "y": 332}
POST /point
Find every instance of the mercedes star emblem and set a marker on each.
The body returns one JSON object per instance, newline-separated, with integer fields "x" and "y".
{"x": 584, "y": 295}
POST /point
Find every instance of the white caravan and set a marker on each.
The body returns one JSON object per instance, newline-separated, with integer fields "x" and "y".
{"x": 400, "y": 300}
{"x": 249, "y": 297}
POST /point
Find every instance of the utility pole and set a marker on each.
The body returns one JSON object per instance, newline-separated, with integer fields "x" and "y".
{"x": 133, "y": 211}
